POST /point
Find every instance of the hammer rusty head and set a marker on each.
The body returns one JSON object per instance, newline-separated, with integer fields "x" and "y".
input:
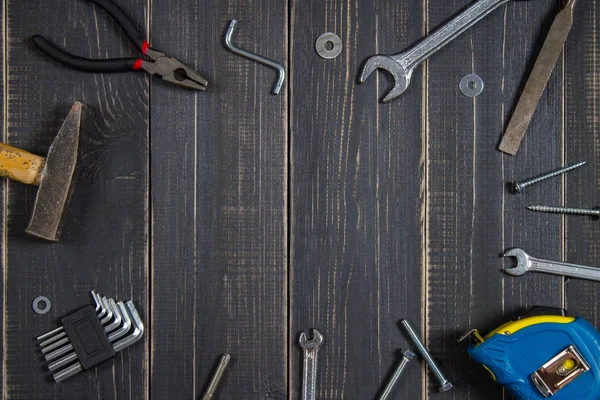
{"x": 58, "y": 176}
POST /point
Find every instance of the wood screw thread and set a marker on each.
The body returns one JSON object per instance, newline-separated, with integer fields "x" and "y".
{"x": 566, "y": 210}
{"x": 519, "y": 186}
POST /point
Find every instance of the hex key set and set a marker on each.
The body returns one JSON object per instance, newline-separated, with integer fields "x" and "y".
{"x": 90, "y": 336}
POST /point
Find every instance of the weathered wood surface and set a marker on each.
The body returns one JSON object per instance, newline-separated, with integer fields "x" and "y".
{"x": 582, "y": 141}
{"x": 236, "y": 219}
{"x": 357, "y": 200}
{"x": 472, "y": 216}
{"x": 219, "y": 187}
{"x": 105, "y": 236}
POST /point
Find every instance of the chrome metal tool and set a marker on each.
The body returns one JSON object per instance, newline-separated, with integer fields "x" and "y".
{"x": 407, "y": 355}
{"x": 216, "y": 379}
{"x": 544, "y": 65}
{"x": 278, "y": 67}
{"x": 527, "y": 263}
{"x": 311, "y": 351}
{"x": 90, "y": 336}
{"x": 401, "y": 66}
{"x": 445, "y": 384}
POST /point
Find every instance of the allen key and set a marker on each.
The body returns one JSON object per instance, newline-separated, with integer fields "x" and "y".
{"x": 59, "y": 332}
{"x": 113, "y": 326}
{"x": 255, "y": 57}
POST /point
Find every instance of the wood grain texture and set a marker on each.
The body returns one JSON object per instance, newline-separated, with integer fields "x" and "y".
{"x": 472, "y": 218}
{"x": 104, "y": 240}
{"x": 357, "y": 198}
{"x": 582, "y": 137}
{"x": 3, "y": 347}
{"x": 236, "y": 219}
{"x": 219, "y": 185}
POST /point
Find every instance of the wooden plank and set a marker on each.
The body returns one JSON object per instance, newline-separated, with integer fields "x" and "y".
{"x": 472, "y": 217}
{"x": 104, "y": 240}
{"x": 357, "y": 198}
{"x": 582, "y": 135}
{"x": 2, "y": 201}
{"x": 219, "y": 185}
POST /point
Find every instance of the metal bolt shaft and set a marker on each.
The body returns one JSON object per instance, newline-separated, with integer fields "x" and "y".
{"x": 566, "y": 210}
{"x": 212, "y": 387}
{"x": 519, "y": 186}
{"x": 445, "y": 384}
{"x": 407, "y": 355}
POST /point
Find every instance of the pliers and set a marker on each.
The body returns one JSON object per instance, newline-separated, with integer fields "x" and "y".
{"x": 168, "y": 68}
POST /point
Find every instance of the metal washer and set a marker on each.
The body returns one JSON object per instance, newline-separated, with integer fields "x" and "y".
{"x": 323, "y": 51}
{"x": 471, "y": 85}
{"x": 36, "y": 305}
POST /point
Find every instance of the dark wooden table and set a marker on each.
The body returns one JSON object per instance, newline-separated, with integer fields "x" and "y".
{"x": 236, "y": 219}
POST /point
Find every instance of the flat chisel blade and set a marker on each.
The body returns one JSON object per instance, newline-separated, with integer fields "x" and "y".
{"x": 538, "y": 80}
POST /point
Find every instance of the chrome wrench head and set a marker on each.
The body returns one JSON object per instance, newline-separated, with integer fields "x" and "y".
{"x": 400, "y": 74}
{"x": 313, "y": 343}
{"x": 523, "y": 262}
{"x": 310, "y": 364}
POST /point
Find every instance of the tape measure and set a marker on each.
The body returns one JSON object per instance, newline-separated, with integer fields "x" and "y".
{"x": 543, "y": 354}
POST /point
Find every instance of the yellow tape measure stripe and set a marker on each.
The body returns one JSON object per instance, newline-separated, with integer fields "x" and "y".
{"x": 513, "y": 327}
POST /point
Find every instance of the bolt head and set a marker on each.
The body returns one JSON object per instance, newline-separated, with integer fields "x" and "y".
{"x": 407, "y": 354}
{"x": 516, "y": 187}
{"x": 445, "y": 387}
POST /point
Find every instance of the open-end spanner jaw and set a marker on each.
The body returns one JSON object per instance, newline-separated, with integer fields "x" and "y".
{"x": 523, "y": 262}
{"x": 400, "y": 74}
{"x": 313, "y": 343}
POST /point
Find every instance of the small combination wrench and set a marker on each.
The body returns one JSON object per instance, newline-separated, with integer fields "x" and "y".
{"x": 401, "y": 66}
{"x": 526, "y": 263}
{"x": 311, "y": 351}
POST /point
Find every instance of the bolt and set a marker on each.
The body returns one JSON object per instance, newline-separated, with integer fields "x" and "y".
{"x": 212, "y": 387}
{"x": 519, "y": 186}
{"x": 407, "y": 355}
{"x": 445, "y": 384}
{"x": 594, "y": 212}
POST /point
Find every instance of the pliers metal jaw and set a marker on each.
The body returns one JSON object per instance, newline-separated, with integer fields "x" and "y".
{"x": 168, "y": 68}
{"x": 175, "y": 72}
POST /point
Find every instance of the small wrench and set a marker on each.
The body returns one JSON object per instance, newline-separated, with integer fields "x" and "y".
{"x": 527, "y": 263}
{"x": 401, "y": 66}
{"x": 311, "y": 351}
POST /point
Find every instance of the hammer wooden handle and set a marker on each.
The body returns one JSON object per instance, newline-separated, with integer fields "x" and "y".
{"x": 20, "y": 165}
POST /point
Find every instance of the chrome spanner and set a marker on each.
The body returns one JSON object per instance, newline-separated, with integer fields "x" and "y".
{"x": 311, "y": 351}
{"x": 526, "y": 263}
{"x": 401, "y": 66}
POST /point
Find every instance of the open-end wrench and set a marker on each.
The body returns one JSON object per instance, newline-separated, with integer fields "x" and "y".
{"x": 526, "y": 263}
{"x": 401, "y": 66}
{"x": 311, "y": 351}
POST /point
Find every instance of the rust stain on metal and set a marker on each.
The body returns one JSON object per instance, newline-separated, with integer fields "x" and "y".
{"x": 538, "y": 80}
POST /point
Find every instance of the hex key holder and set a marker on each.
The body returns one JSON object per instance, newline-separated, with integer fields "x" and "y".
{"x": 255, "y": 57}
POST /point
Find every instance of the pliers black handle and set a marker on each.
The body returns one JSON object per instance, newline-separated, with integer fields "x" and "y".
{"x": 85, "y": 64}
{"x": 90, "y": 65}
{"x": 169, "y": 68}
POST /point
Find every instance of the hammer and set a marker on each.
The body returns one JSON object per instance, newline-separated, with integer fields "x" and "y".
{"x": 54, "y": 174}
